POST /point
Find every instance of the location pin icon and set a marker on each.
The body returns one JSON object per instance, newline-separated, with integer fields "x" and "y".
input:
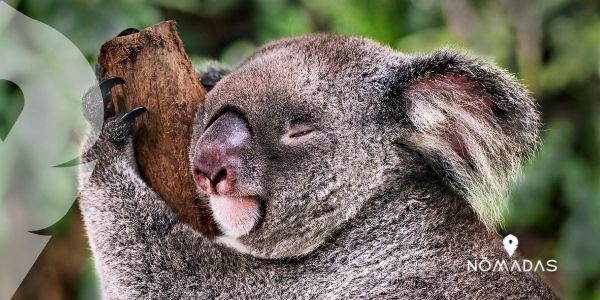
{"x": 510, "y": 244}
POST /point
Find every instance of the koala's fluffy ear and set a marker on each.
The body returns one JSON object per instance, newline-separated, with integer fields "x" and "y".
{"x": 475, "y": 124}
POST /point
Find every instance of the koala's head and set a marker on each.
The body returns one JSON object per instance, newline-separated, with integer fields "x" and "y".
{"x": 298, "y": 139}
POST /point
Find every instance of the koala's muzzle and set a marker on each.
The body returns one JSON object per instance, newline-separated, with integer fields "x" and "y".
{"x": 217, "y": 158}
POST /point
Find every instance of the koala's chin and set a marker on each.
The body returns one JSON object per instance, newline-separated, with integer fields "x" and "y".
{"x": 236, "y": 216}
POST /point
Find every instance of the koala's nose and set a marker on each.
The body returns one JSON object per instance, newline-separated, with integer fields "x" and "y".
{"x": 217, "y": 160}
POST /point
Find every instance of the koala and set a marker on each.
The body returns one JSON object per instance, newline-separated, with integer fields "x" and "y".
{"x": 335, "y": 168}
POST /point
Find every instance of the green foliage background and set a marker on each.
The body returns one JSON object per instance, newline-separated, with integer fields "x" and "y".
{"x": 552, "y": 45}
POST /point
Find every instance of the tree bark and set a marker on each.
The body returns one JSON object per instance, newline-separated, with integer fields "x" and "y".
{"x": 160, "y": 77}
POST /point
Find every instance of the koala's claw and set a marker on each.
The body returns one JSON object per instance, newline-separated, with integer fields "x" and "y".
{"x": 128, "y": 31}
{"x": 131, "y": 115}
{"x": 105, "y": 88}
{"x": 101, "y": 92}
{"x": 109, "y": 83}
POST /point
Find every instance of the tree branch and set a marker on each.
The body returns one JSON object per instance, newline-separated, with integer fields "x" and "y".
{"x": 160, "y": 76}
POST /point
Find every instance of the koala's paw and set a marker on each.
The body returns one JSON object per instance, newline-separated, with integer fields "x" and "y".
{"x": 115, "y": 130}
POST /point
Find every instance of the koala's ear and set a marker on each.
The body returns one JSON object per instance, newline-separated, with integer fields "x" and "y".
{"x": 211, "y": 74}
{"x": 474, "y": 124}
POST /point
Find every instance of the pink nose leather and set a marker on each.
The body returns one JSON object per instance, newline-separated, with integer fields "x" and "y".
{"x": 217, "y": 160}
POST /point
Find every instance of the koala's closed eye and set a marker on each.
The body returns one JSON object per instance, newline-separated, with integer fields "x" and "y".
{"x": 298, "y": 133}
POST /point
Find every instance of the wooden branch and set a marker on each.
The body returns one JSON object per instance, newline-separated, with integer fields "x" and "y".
{"x": 160, "y": 76}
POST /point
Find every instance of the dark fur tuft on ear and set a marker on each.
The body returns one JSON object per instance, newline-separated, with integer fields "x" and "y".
{"x": 476, "y": 125}
{"x": 211, "y": 74}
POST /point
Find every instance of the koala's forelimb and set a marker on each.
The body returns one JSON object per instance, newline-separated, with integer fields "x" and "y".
{"x": 117, "y": 201}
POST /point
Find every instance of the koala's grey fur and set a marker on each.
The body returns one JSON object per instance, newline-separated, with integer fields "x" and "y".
{"x": 402, "y": 185}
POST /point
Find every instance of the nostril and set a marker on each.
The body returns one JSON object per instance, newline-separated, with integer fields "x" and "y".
{"x": 220, "y": 176}
{"x": 197, "y": 172}
{"x": 202, "y": 180}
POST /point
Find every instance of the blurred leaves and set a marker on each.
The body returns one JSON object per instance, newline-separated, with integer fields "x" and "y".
{"x": 280, "y": 18}
{"x": 88, "y": 22}
{"x": 11, "y": 105}
{"x": 532, "y": 200}
{"x": 88, "y": 286}
{"x": 236, "y": 53}
{"x": 203, "y": 8}
{"x": 576, "y": 46}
